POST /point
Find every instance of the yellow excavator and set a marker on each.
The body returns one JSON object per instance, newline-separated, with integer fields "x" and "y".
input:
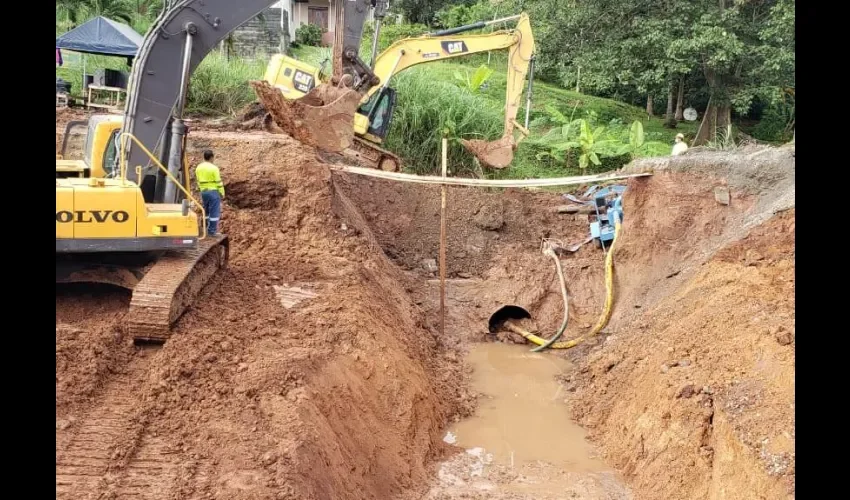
{"x": 355, "y": 119}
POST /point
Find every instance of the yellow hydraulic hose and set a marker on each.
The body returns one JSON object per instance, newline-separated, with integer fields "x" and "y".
{"x": 606, "y": 310}
{"x": 548, "y": 343}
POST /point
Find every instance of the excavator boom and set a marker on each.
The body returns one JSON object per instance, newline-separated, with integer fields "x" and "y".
{"x": 306, "y": 118}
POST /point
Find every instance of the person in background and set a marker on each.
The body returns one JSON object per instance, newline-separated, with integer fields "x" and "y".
{"x": 212, "y": 190}
{"x": 679, "y": 146}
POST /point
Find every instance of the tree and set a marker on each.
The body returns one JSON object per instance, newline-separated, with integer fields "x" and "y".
{"x": 73, "y": 12}
{"x": 636, "y": 50}
{"x": 423, "y": 11}
{"x": 745, "y": 49}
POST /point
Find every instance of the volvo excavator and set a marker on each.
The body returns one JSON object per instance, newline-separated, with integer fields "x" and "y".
{"x": 351, "y": 113}
{"x": 125, "y": 213}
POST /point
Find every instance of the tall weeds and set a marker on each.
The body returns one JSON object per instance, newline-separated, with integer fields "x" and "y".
{"x": 220, "y": 86}
{"x": 425, "y": 107}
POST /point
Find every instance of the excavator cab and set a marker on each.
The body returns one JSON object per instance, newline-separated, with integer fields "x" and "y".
{"x": 86, "y": 145}
{"x": 375, "y": 126}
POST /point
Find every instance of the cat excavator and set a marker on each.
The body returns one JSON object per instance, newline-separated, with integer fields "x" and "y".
{"x": 351, "y": 113}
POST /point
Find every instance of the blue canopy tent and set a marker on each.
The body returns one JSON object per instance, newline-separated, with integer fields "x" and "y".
{"x": 101, "y": 36}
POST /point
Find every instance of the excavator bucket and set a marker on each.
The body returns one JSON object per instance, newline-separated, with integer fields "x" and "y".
{"x": 323, "y": 118}
{"x": 493, "y": 154}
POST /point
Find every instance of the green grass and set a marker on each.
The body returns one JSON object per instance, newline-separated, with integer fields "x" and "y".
{"x": 428, "y": 100}
{"x": 428, "y": 97}
{"x": 218, "y": 86}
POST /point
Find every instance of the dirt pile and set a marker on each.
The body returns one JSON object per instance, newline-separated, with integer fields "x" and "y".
{"x": 90, "y": 342}
{"x": 306, "y": 372}
{"x": 323, "y": 118}
{"x": 692, "y": 395}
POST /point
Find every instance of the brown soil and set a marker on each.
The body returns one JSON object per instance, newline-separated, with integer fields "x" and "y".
{"x": 496, "y": 154}
{"x": 323, "y": 118}
{"x": 694, "y": 392}
{"x": 689, "y": 391}
{"x": 342, "y": 396}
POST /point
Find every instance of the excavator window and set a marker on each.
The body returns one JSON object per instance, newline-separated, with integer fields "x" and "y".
{"x": 75, "y": 140}
{"x": 110, "y": 157}
{"x": 380, "y": 125}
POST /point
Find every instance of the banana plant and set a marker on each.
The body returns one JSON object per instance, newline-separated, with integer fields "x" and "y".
{"x": 636, "y": 139}
{"x": 474, "y": 83}
{"x": 589, "y": 143}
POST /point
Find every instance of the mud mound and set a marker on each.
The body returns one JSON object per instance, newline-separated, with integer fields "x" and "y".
{"x": 90, "y": 341}
{"x": 306, "y": 372}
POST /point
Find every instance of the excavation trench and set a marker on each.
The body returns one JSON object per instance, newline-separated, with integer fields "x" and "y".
{"x": 312, "y": 367}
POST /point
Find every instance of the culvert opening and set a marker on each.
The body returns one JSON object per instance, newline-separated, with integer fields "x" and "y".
{"x": 505, "y": 313}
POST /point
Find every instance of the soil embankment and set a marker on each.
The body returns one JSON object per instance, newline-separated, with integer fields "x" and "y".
{"x": 340, "y": 396}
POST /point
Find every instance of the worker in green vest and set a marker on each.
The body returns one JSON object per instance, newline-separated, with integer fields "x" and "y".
{"x": 212, "y": 191}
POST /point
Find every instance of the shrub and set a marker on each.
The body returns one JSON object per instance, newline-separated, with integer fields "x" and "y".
{"x": 390, "y": 33}
{"x": 773, "y": 126}
{"x": 308, "y": 34}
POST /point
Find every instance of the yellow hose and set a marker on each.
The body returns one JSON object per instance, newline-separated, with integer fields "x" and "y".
{"x": 554, "y": 338}
{"x": 606, "y": 310}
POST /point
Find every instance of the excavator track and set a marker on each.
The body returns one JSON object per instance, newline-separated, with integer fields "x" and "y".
{"x": 363, "y": 152}
{"x": 170, "y": 287}
{"x": 371, "y": 156}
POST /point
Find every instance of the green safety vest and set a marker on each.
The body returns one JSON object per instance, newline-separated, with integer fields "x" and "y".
{"x": 209, "y": 178}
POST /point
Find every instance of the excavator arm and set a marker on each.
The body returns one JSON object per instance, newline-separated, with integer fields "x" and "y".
{"x": 446, "y": 44}
{"x": 432, "y": 47}
{"x": 174, "y": 46}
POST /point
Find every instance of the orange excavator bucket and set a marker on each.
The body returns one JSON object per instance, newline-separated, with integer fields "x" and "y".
{"x": 323, "y": 118}
{"x": 493, "y": 154}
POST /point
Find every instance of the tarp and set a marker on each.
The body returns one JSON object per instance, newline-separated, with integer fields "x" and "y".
{"x": 101, "y": 36}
